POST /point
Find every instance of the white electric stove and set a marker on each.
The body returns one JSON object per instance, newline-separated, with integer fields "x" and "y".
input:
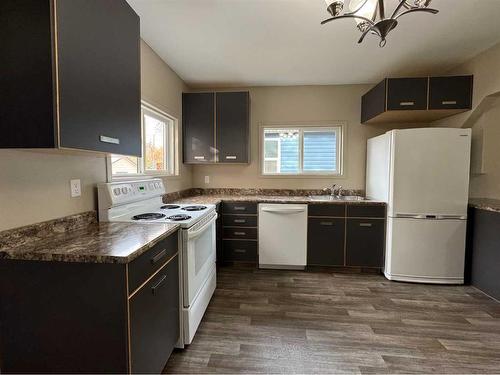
{"x": 141, "y": 202}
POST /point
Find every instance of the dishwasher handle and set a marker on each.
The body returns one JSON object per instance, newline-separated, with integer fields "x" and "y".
{"x": 284, "y": 210}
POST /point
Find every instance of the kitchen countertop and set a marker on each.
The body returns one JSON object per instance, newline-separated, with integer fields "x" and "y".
{"x": 217, "y": 198}
{"x": 90, "y": 243}
{"x": 487, "y": 204}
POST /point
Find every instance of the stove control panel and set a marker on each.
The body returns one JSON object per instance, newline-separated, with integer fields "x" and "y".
{"x": 124, "y": 192}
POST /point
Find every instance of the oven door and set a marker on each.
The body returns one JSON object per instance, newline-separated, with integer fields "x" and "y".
{"x": 198, "y": 258}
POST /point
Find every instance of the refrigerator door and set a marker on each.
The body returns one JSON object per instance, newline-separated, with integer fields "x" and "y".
{"x": 430, "y": 171}
{"x": 378, "y": 157}
{"x": 425, "y": 250}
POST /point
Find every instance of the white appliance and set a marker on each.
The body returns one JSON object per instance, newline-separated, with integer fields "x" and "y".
{"x": 282, "y": 236}
{"x": 141, "y": 202}
{"x": 423, "y": 175}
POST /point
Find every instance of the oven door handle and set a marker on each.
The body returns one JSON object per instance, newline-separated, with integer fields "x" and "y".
{"x": 197, "y": 232}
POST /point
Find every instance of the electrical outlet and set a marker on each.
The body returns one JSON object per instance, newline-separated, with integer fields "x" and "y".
{"x": 75, "y": 188}
{"x": 207, "y": 180}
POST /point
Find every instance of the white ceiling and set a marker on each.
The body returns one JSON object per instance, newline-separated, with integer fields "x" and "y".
{"x": 281, "y": 42}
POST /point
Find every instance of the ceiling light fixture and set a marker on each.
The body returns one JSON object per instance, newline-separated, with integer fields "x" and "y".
{"x": 370, "y": 15}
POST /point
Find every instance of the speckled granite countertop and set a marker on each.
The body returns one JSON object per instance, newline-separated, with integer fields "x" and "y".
{"x": 82, "y": 240}
{"x": 487, "y": 204}
{"x": 217, "y": 198}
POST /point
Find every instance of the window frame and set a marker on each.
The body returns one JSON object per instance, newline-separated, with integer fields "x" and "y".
{"x": 338, "y": 127}
{"x": 171, "y": 161}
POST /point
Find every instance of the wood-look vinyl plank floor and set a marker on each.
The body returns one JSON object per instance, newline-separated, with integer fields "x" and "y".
{"x": 283, "y": 322}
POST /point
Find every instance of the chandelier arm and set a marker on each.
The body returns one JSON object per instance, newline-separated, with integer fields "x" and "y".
{"x": 365, "y": 33}
{"x": 427, "y": 10}
{"x": 348, "y": 16}
{"x": 398, "y": 8}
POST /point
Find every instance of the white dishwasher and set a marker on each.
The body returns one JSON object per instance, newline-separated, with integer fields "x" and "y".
{"x": 282, "y": 236}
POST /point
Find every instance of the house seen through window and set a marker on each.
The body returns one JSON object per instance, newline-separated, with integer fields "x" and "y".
{"x": 302, "y": 150}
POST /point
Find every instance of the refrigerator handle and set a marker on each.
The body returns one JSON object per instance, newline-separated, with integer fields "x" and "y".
{"x": 430, "y": 217}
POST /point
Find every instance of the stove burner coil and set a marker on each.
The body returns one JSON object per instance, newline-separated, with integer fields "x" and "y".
{"x": 149, "y": 216}
{"x": 179, "y": 217}
{"x": 194, "y": 208}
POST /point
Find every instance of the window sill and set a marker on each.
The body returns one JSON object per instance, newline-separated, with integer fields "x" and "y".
{"x": 305, "y": 176}
{"x": 142, "y": 177}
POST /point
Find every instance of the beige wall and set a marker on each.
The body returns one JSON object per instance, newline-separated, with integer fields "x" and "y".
{"x": 300, "y": 105}
{"x": 162, "y": 87}
{"x": 34, "y": 185}
{"x": 486, "y": 128}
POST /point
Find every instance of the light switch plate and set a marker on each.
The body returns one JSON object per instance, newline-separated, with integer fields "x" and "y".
{"x": 207, "y": 180}
{"x": 75, "y": 188}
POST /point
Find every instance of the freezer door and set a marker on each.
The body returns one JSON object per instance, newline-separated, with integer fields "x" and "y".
{"x": 430, "y": 171}
{"x": 378, "y": 155}
{"x": 424, "y": 250}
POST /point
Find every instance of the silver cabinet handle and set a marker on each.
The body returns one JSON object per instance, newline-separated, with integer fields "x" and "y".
{"x": 407, "y": 104}
{"x": 106, "y": 139}
{"x": 240, "y": 208}
{"x": 241, "y": 221}
{"x": 240, "y": 233}
{"x": 199, "y": 158}
{"x": 329, "y": 223}
{"x": 449, "y": 102}
{"x": 158, "y": 256}
{"x": 231, "y": 157}
{"x": 365, "y": 224}
{"x": 240, "y": 251}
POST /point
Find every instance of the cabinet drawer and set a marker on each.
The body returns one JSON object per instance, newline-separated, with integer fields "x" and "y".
{"x": 450, "y": 92}
{"x": 240, "y": 233}
{"x": 365, "y": 242}
{"x": 325, "y": 241}
{"x": 333, "y": 210}
{"x": 239, "y": 221}
{"x": 154, "y": 321}
{"x": 149, "y": 262}
{"x": 407, "y": 93}
{"x": 239, "y": 208}
{"x": 242, "y": 251}
{"x": 365, "y": 210}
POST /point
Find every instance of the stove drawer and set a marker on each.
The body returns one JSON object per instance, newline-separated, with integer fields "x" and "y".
{"x": 239, "y": 221}
{"x": 240, "y": 233}
{"x": 240, "y": 251}
{"x": 141, "y": 268}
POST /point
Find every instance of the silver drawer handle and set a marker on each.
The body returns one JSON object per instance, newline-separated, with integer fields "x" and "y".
{"x": 406, "y": 104}
{"x": 242, "y": 221}
{"x": 449, "y": 102}
{"x": 231, "y": 157}
{"x": 326, "y": 223}
{"x": 199, "y": 158}
{"x": 112, "y": 140}
{"x": 240, "y": 208}
{"x": 365, "y": 224}
{"x": 240, "y": 251}
{"x": 240, "y": 233}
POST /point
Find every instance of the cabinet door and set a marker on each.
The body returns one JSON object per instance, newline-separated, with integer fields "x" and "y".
{"x": 373, "y": 102}
{"x": 232, "y": 126}
{"x": 154, "y": 320}
{"x": 325, "y": 241}
{"x": 365, "y": 242}
{"x": 198, "y": 116}
{"x": 407, "y": 93}
{"x": 99, "y": 76}
{"x": 450, "y": 92}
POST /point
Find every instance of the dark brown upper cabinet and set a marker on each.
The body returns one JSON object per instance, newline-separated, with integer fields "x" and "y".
{"x": 70, "y": 77}
{"x": 198, "y": 127}
{"x": 450, "y": 92}
{"x": 232, "y": 126}
{"x": 414, "y": 100}
{"x": 216, "y": 127}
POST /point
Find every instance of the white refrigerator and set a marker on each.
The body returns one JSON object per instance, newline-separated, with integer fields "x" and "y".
{"x": 423, "y": 175}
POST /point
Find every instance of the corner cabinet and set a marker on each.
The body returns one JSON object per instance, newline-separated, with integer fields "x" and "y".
{"x": 216, "y": 127}
{"x": 70, "y": 77}
{"x": 414, "y": 100}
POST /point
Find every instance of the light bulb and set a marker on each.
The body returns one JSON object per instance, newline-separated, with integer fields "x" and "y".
{"x": 364, "y": 8}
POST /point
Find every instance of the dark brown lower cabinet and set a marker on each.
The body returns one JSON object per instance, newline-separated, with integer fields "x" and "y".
{"x": 154, "y": 321}
{"x": 63, "y": 317}
{"x": 365, "y": 242}
{"x": 325, "y": 241}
